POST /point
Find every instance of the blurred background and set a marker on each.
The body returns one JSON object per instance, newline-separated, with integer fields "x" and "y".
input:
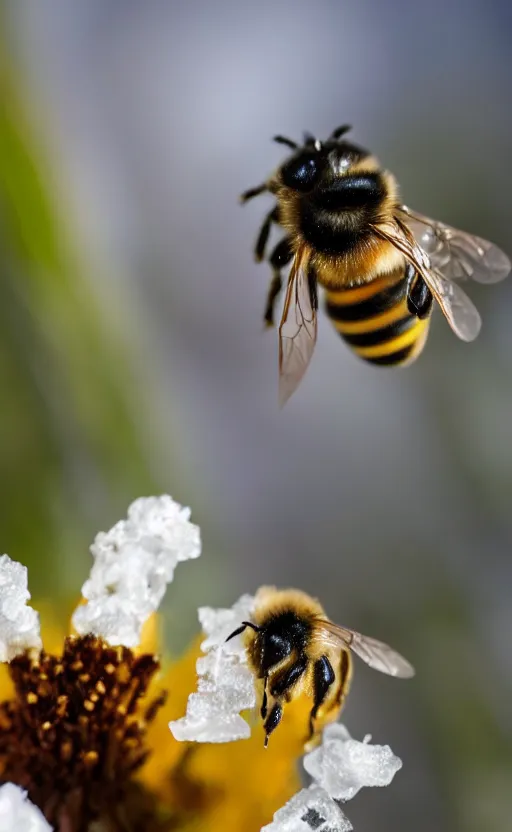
{"x": 132, "y": 358}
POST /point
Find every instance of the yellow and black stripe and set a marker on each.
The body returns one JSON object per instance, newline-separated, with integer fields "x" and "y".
{"x": 374, "y": 320}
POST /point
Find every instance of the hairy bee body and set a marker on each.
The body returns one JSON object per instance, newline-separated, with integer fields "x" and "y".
{"x": 380, "y": 264}
{"x": 293, "y": 649}
{"x": 374, "y": 320}
{"x": 287, "y": 617}
{"x": 366, "y": 280}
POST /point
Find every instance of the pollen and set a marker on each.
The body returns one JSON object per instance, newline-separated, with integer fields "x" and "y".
{"x": 75, "y": 731}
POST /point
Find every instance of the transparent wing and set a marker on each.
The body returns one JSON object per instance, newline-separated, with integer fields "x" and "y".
{"x": 458, "y": 309}
{"x": 375, "y": 653}
{"x": 457, "y": 254}
{"x": 297, "y": 330}
{"x": 460, "y": 312}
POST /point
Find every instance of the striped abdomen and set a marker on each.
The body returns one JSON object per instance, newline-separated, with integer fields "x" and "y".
{"x": 375, "y": 322}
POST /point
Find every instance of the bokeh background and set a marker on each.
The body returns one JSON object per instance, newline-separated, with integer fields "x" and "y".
{"x": 132, "y": 358}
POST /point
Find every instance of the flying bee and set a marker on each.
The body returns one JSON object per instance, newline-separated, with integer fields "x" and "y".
{"x": 380, "y": 264}
{"x": 293, "y": 648}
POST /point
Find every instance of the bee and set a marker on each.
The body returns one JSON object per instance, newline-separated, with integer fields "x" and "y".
{"x": 381, "y": 265}
{"x": 293, "y": 648}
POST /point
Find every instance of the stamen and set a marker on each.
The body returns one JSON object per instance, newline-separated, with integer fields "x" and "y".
{"x": 73, "y": 744}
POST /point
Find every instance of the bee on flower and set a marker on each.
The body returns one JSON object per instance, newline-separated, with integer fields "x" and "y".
{"x": 273, "y": 650}
{"x": 84, "y": 743}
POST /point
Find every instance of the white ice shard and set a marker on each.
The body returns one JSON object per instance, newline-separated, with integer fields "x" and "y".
{"x": 225, "y": 685}
{"x": 343, "y": 766}
{"x": 18, "y": 814}
{"x": 19, "y": 623}
{"x": 309, "y": 809}
{"x": 133, "y": 563}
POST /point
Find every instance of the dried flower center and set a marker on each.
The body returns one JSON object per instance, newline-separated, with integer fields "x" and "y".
{"x": 75, "y": 731}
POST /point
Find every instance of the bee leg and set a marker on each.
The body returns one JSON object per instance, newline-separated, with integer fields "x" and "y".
{"x": 313, "y": 288}
{"x": 274, "y": 290}
{"x": 289, "y": 677}
{"x": 264, "y": 701}
{"x": 323, "y": 678}
{"x": 261, "y": 242}
{"x": 335, "y": 698}
{"x": 280, "y": 257}
{"x": 272, "y": 721}
{"x": 252, "y": 192}
{"x": 419, "y": 296}
{"x": 281, "y": 688}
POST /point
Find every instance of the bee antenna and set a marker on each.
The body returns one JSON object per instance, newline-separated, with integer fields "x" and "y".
{"x": 243, "y": 627}
{"x": 287, "y": 142}
{"x": 340, "y": 131}
{"x": 308, "y": 138}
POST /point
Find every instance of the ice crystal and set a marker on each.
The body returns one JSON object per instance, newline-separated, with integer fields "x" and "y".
{"x": 340, "y": 767}
{"x": 19, "y": 623}
{"x": 133, "y": 563}
{"x": 309, "y": 809}
{"x": 225, "y": 685}
{"x": 17, "y": 813}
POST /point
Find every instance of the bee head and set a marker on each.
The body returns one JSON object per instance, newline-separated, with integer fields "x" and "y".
{"x": 283, "y": 634}
{"x": 303, "y": 171}
{"x": 315, "y": 162}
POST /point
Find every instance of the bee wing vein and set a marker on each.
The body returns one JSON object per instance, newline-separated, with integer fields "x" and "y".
{"x": 457, "y": 254}
{"x": 297, "y": 330}
{"x": 376, "y": 654}
{"x": 458, "y": 309}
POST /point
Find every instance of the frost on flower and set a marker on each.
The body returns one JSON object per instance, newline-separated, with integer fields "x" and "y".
{"x": 133, "y": 563}
{"x": 17, "y": 814}
{"x": 309, "y": 809}
{"x": 342, "y": 766}
{"x": 225, "y": 685}
{"x": 19, "y": 624}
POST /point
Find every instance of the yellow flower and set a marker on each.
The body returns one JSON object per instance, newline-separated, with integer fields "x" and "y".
{"x": 222, "y": 786}
{"x": 84, "y": 721}
{"x": 74, "y": 733}
{"x": 179, "y": 785}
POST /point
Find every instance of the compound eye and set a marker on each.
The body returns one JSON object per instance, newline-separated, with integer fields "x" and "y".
{"x": 275, "y": 649}
{"x": 302, "y": 172}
